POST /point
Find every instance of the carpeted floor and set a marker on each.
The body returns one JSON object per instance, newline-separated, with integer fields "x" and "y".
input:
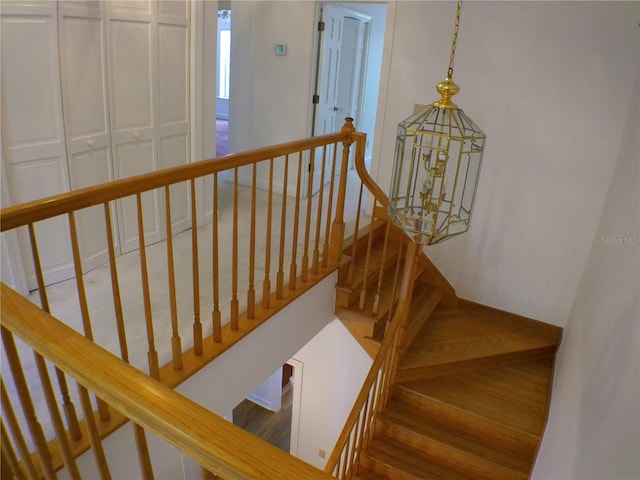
{"x": 222, "y": 137}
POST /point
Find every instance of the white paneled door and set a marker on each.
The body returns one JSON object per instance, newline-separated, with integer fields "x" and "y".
{"x": 173, "y": 101}
{"x": 33, "y": 140}
{"x": 86, "y": 115}
{"x": 92, "y": 92}
{"x": 133, "y": 134}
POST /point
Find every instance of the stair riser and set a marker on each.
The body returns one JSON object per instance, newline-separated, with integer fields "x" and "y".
{"x": 463, "y": 462}
{"x": 420, "y": 315}
{"x": 430, "y": 371}
{"x": 381, "y": 468}
{"x": 350, "y": 295}
{"x": 501, "y": 435}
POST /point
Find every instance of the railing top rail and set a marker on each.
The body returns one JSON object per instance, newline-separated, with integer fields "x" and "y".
{"x": 219, "y": 446}
{"x": 361, "y": 168}
{"x": 41, "y": 209}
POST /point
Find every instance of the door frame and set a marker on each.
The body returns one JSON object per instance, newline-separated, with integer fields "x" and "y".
{"x": 363, "y": 18}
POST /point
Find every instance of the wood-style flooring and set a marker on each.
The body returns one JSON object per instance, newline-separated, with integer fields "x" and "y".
{"x": 272, "y": 427}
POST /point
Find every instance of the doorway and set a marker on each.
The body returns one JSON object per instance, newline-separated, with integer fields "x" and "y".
{"x": 223, "y": 80}
{"x": 268, "y": 412}
{"x": 347, "y": 70}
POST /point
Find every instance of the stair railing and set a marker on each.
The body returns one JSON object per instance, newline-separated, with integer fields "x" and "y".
{"x": 359, "y": 427}
{"x": 307, "y": 234}
{"x": 222, "y": 449}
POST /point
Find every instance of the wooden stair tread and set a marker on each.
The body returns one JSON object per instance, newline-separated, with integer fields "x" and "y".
{"x": 364, "y": 474}
{"x": 375, "y": 261}
{"x": 397, "y": 415}
{"x": 397, "y": 461}
{"x": 465, "y": 333}
{"x": 518, "y": 405}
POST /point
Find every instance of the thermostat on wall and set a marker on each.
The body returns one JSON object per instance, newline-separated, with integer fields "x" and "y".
{"x": 280, "y": 48}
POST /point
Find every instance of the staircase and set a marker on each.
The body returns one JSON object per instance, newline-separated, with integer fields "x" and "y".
{"x": 472, "y": 385}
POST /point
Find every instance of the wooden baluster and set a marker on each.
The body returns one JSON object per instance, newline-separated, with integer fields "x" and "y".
{"x": 293, "y": 270}
{"x": 141, "y": 440}
{"x": 14, "y": 427}
{"x": 362, "y": 429}
{"x": 115, "y": 286}
{"x": 337, "y": 231}
{"x": 103, "y": 408}
{"x": 22, "y": 388}
{"x": 376, "y": 299}
{"x": 395, "y": 278}
{"x": 348, "y": 454}
{"x": 92, "y": 433}
{"x": 67, "y": 404}
{"x": 143, "y": 452}
{"x": 406, "y": 289}
{"x": 354, "y": 243}
{"x": 251, "y": 292}
{"x": 9, "y": 462}
{"x": 367, "y": 261}
{"x": 307, "y": 229}
{"x": 56, "y": 420}
{"x": 234, "y": 266}
{"x": 215, "y": 314}
{"x": 283, "y": 224}
{"x": 266, "y": 285}
{"x": 152, "y": 355}
{"x": 197, "y": 325}
{"x": 176, "y": 343}
{"x": 327, "y": 228}
{"x": 374, "y": 411}
{"x": 388, "y": 374}
{"x": 315, "y": 264}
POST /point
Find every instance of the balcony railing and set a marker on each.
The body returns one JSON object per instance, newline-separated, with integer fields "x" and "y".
{"x": 264, "y": 247}
{"x": 47, "y": 424}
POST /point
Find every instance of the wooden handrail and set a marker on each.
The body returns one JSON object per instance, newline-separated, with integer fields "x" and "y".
{"x": 361, "y": 139}
{"x": 361, "y": 421}
{"x": 219, "y": 446}
{"x": 19, "y": 316}
{"x": 37, "y": 210}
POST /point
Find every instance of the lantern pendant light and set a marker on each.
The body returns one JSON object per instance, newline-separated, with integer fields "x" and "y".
{"x": 436, "y": 166}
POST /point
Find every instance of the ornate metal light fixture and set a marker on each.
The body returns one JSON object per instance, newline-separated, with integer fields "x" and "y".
{"x": 436, "y": 166}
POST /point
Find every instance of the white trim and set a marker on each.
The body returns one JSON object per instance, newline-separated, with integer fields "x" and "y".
{"x": 296, "y": 403}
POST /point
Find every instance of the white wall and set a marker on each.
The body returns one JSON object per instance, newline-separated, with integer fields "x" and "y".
{"x": 594, "y": 422}
{"x": 548, "y": 82}
{"x": 334, "y": 367}
{"x": 222, "y": 384}
{"x": 241, "y": 369}
{"x": 270, "y": 94}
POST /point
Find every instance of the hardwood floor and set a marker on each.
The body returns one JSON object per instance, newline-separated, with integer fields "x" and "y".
{"x": 272, "y": 427}
{"x": 470, "y": 401}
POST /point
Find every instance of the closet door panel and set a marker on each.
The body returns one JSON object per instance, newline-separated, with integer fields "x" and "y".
{"x": 132, "y": 120}
{"x": 131, "y": 74}
{"x": 84, "y": 92}
{"x": 43, "y": 176}
{"x": 173, "y": 107}
{"x": 172, "y": 147}
{"x": 32, "y": 129}
{"x": 130, "y": 163}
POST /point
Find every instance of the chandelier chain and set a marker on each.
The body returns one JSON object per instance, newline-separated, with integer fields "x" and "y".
{"x": 455, "y": 40}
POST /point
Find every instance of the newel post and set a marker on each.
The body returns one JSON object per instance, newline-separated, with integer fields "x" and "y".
{"x": 337, "y": 229}
{"x": 406, "y": 289}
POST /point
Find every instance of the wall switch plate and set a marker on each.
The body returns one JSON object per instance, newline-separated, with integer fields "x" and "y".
{"x": 322, "y": 453}
{"x": 280, "y": 49}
